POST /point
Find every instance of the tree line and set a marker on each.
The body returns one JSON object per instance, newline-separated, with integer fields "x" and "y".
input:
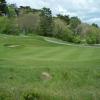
{"x": 25, "y": 20}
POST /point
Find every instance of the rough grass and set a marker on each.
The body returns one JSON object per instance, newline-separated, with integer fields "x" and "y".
{"x": 75, "y": 71}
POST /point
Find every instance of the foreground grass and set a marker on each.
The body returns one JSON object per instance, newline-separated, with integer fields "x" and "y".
{"x": 73, "y": 72}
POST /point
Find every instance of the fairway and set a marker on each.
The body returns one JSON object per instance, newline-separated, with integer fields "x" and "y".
{"x": 30, "y": 65}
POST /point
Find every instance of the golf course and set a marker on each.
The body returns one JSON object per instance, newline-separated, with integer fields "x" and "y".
{"x": 32, "y": 68}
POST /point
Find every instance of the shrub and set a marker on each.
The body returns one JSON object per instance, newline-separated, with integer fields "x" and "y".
{"x": 77, "y": 39}
{"x": 7, "y": 26}
{"x": 93, "y": 36}
{"x": 66, "y": 35}
{"x": 5, "y": 95}
{"x": 91, "y": 40}
{"x": 32, "y": 96}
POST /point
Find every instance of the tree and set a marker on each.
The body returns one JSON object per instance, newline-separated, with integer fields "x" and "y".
{"x": 3, "y": 8}
{"x": 95, "y": 25}
{"x": 25, "y": 9}
{"x": 66, "y": 35}
{"x": 65, "y": 18}
{"x": 74, "y": 22}
{"x": 12, "y": 12}
{"x": 8, "y": 26}
{"x": 46, "y": 22}
{"x": 93, "y": 36}
{"x": 28, "y": 23}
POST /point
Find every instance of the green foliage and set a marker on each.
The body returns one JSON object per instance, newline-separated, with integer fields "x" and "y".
{"x": 64, "y": 18}
{"x": 82, "y": 29}
{"x": 12, "y": 12}
{"x": 25, "y": 10}
{"x": 4, "y": 95}
{"x": 59, "y": 26}
{"x": 76, "y": 39}
{"x": 8, "y": 26}
{"x": 46, "y": 22}
{"x": 91, "y": 40}
{"x": 28, "y": 23}
{"x": 41, "y": 22}
{"x": 3, "y": 8}
{"x": 66, "y": 35}
{"x": 74, "y": 22}
{"x": 32, "y": 96}
{"x": 62, "y": 31}
{"x": 95, "y": 25}
{"x": 93, "y": 36}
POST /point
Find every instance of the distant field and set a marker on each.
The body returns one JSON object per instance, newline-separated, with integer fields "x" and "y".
{"x": 34, "y": 69}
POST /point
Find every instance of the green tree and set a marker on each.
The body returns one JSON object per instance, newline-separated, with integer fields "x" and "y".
{"x": 64, "y": 17}
{"x": 3, "y": 8}
{"x": 25, "y": 9}
{"x": 12, "y": 12}
{"x": 65, "y": 34}
{"x": 74, "y": 22}
{"x": 28, "y": 23}
{"x": 46, "y": 22}
{"x": 93, "y": 36}
{"x": 8, "y": 26}
{"x": 95, "y": 25}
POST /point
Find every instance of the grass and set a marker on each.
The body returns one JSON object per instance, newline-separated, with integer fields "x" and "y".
{"x": 75, "y": 71}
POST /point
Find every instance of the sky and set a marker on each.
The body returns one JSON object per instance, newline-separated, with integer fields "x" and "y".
{"x": 87, "y": 10}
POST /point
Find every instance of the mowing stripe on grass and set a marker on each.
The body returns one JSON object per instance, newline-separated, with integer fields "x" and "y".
{"x": 86, "y": 54}
{"x": 46, "y": 52}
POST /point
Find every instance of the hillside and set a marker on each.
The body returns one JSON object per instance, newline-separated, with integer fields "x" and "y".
{"x": 31, "y": 67}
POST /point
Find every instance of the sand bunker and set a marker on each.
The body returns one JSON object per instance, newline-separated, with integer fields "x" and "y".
{"x": 11, "y": 45}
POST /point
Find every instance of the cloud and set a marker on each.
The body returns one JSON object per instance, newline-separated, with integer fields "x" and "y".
{"x": 94, "y": 20}
{"x": 86, "y": 10}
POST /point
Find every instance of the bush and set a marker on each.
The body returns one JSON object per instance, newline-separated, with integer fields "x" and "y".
{"x": 66, "y": 35}
{"x": 91, "y": 40}
{"x": 7, "y": 26}
{"x": 5, "y": 95}
{"x": 77, "y": 39}
{"x": 32, "y": 96}
{"x": 93, "y": 36}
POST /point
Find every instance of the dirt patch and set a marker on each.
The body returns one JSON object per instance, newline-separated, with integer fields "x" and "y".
{"x": 11, "y": 45}
{"x": 46, "y": 76}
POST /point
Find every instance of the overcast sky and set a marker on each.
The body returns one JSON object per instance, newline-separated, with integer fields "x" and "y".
{"x": 86, "y": 10}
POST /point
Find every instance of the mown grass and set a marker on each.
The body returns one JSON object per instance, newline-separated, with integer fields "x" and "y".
{"x": 75, "y": 71}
